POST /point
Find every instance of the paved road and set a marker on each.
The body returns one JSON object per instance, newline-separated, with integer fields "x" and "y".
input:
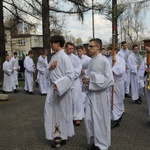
{"x": 22, "y": 126}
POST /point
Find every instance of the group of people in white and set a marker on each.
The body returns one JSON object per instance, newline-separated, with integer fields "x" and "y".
{"x": 10, "y": 68}
{"x": 78, "y": 86}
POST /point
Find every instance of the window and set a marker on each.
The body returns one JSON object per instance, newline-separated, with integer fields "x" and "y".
{"x": 21, "y": 42}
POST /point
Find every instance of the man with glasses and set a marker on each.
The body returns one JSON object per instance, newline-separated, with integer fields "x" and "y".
{"x": 98, "y": 79}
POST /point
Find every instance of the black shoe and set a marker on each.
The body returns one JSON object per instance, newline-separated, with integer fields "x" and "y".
{"x": 31, "y": 93}
{"x": 140, "y": 99}
{"x": 127, "y": 96}
{"x": 114, "y": 124}
{"x": 4, "y": 92}
{"x": 120, "y": 119}
{"x": 137, "y": 102}
{"x": 91, "y": 147}
{"x": 63, "y": 142}
{"x": 16, "y": 91}
{"x": 26, "y": 91}
{"x": 96, "y": 148}
{"x": 43, "y": 94}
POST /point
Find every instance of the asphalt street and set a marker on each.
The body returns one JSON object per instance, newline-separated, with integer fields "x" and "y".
{"x": 22, "y": 126}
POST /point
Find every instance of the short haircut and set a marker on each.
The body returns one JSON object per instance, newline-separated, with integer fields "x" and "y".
{"x": 103, "y": 48}
{"x": 79, "y": 47}
{"x": 123, "y": 42}
{"x": 110, "y": 47}
{"x": 97, "y": 41}
{"x": 134, "y": 45}
{"x": 30, "y": 52}
{"x": 43, "y": 52}
{"x": 69, "y": 43}
{"x": 57, "y": 39}
{"x": 15, "y": 53}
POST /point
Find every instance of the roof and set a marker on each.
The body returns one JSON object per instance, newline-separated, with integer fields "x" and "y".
{"x": 24, "y": 35}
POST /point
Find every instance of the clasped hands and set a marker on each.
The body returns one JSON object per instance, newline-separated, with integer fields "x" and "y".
{"x": 85, "y": 80}
{"x": 53, "y": 65}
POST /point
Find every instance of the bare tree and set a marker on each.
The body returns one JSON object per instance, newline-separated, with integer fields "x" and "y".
{"x": 22, "y": 10}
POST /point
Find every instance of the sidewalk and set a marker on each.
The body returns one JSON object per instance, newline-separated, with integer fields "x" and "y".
{"x": 22, "y": 126}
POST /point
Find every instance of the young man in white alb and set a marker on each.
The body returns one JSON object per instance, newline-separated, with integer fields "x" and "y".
{"x": 98, "y": 79}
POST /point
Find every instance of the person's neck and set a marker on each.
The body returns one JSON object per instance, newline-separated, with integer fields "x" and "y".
{"x": 96, "y": 54}
{"x": 124, "y": 49}
{"x": 59, "y": 49}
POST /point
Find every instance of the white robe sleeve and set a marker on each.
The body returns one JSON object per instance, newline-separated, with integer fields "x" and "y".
{"x": 28, "y": 64}
{"x": 119, "y": 67}
{"x": 141, "y": 73}
{"x": 101, "y": 81}
{"x": 142, "y": 69}
{"x": 41, "y": 66}
{"x": 132, "y": 65}
{"x": 6, "y": 70}
{"x": 64, "y": 83}
{"x": 77, "y": 69}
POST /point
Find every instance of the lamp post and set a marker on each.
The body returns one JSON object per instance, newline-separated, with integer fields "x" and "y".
{"x": 93, "y": 20}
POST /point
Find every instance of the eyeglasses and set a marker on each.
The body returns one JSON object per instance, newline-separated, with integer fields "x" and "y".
{"x": 91, "y": 46}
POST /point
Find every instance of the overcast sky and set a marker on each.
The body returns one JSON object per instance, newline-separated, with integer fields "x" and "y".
{"x": 77, "y": 29}
{"x": 103, "y": 27}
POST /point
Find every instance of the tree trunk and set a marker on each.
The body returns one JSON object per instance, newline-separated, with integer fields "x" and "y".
{"x": 114, "y": 22}
{"x": 2, "y": 41}
{"x": 46, "y": 26}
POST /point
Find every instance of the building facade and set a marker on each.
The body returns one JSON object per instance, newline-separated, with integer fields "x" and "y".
{"x": 25, "y": 42}
{"x": 8, "y": 40}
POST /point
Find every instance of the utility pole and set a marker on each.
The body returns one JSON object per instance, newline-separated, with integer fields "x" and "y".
{"x": 114, "y": 22}
{"x": 2, "y": 41}
{"x": 93, "y": 21}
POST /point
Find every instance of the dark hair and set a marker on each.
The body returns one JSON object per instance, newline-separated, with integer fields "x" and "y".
{"x": 30, "y": 52}
{"x": 103, "y": 48}
{"x": 15, "y": 53}
{"x": 97, "y": 41}
{"x": 58, "y": 39}
{"x": 79, "y": 47}
{"x": 123, "y": 42}
{"x": 69, "y": 43}
{"x": 134, "y": 45}
{"x": 43, "y": 52}
{"x": 110, "y": 47}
